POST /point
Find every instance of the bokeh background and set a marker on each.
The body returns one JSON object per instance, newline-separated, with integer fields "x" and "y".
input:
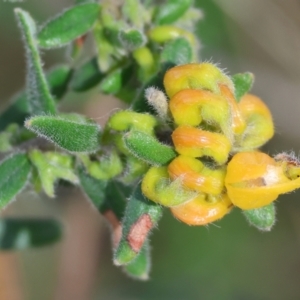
{"x": 228, "y": 260}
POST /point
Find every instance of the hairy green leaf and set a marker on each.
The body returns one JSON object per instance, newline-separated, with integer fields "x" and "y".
{"x": 132, "y": 39}
{"x": 243, "y": 83}
{"x": 86, "y": 76}
{"x": 19, "y": 234}
{"x": 178, "y": 52}
{"x": 112, "y": 83}
{"x": 38, "y": 93}
{"x": 52, "y": 166}
{"x": 92, "y": 187}
{"x": 140, "y": 267}
{"x": 262, "y": 218}
{"x": 171, "y": 11}
{"x": 69, "y": 25}
{"x": 71, "y": 135}
{"x": 14, "y": 173}
{"x": 117, "y": 195}
{"x": 141, "y": 215}
{"x": 148, "y": 148}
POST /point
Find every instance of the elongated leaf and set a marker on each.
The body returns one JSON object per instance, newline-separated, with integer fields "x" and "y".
{"x": 117, "y": 195}
{"x": 243, "y": 83}
{"x": 132, "y": 39}
{"x": 112, "y": 83}
{"x": 262, "y": 218}
{"x": 19, "y": 234}
{"x": 71, "y": 135}
{"x": 18, "y": 110}
{"x": 69, "y": 25}
{"x": 140, "y": 267}
{"x": 148, "y": 148}
{"x": 171, "y": 11}
{"x": 38, "y": 93}
{"x": 14, "y": 172}
{"x": 178, "y": 52}
{"x": 141, "y": 215}
{"x": 93, "y": 188}
{"x": 86, "y": 76}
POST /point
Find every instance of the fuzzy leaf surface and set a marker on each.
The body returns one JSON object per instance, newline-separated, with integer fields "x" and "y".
{"x": 178, "y": 52}
{"x": 262, "y": 218}
{"x": 71, "y": 135}
{"x": 20, "y": 234}
{"x": 171, "y": 11}
{"x": 141, "y": 216}
{"x": 243, "y": 83}
{"x": 140, "y": 267}
{"x": 38, "y": 93}
{"x": 131, "y": 39}
{"x": 14, "y": 173}
{"x": 148, "y": 148}
{"x": 92, "y": 187}
{"x": 69, "y": 25}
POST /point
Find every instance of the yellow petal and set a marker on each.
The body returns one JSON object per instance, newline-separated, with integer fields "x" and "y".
{"x": 194, "y": 142}
{"x": 254, "y": 180}
{"x": 202, "y": 211}
{"x": 196, "y": 176}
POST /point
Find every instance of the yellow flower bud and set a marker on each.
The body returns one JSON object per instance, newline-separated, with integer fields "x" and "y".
{"x": 191, "y": 107}
{"x": 254, "y": 179}
{"x": 259, "y": 121}
{"x": 126, "y": 119}
{"x": 194, "y": 142}
{"x": 195, "y": 76}
{"x": 158, "y": 187}
{"x": 202, "y": 210}
{"x": 238, "y": 122}
{"x": 165, "y": 33}
{"x": 196, "y": 176}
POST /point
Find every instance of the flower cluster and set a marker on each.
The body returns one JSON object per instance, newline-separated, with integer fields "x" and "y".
{"x": 216, "y": 137}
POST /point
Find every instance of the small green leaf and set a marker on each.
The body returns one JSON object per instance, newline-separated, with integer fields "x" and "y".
{"x": 141, "y": 215}
{"x": 20, "y": 234}
{"x": 132, "y": 39}
{"x": 92, "y": 187}
{"x": 86, "y": 76}
{"x": 38, "y": 93}
{"x": 148, "y": 148}
{"x": 243, "y": 83}
{"x": 171, "y": 11}
{"x": 262, "y": 218}
{"x": 178, "y": 52}
{"x": 140, "y": 267}
{"x": 52, "y": 166}
{"x": 103, "y": 167}
{"x": 71, "y": 135}
{"x": 112, "y": 83}
{"x": 69, "y": 25}
{"x": 14, "y": 173}
{"x": 117, "y": 195}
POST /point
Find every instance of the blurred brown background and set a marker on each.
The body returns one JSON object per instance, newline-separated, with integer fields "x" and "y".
{"x": 225, "y": 261}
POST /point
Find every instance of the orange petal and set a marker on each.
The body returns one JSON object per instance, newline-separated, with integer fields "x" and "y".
{"x": 199, "y": 211}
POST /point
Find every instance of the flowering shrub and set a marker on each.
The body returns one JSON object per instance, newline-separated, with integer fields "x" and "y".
{"x": 188, "y": 141}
